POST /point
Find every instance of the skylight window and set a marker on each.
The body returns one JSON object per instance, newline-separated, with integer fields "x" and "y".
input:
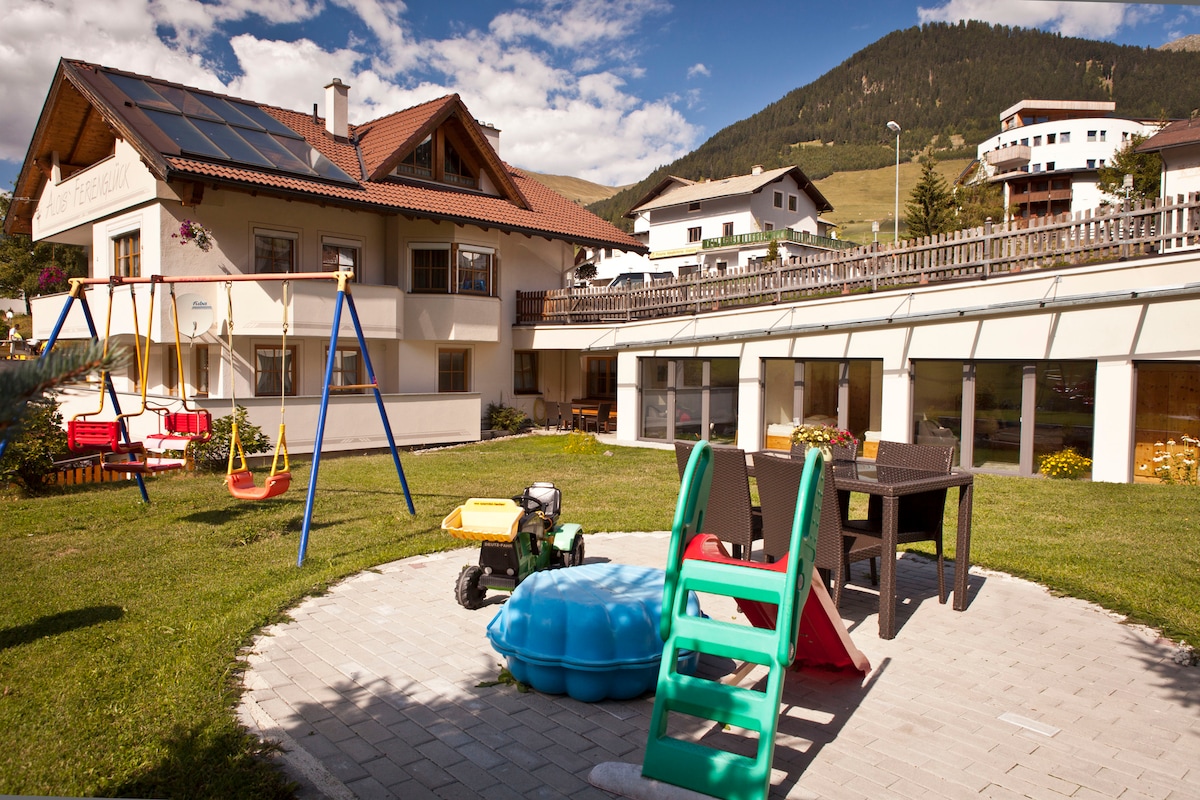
{"x": 210, "y": 127}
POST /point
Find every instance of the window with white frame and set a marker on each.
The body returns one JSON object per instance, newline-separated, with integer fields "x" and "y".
{"x": 693, "y": 234}
{"x": 274, "y": 370}
{"x": 791, "y": 202}
{"x": 341, "y": 255}
{"x": 778, "y": 200}
{"x": 274, "y": 251}
{"x": 347, "y": 368}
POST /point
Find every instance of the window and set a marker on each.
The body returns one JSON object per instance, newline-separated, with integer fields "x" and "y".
{"x": 1103, "y": 136}
{"x": 452, "y": 370}
{"x": 727, "y": 229}
{"x": 1091, "y": 136}
{"x": 431, "y": 269}
{"x": 200, "y": 371}
{"x": 171, "y": 371}
{"x": 601, "y": 375}
{"x": 340, "y": 256}
{"x": 778, "y": 200}
{"x": 1025, "y": 141}
{"x": 274, "y": 368}
{"x": 1091, "y": 162}
{"x": 455, "y": 170}
{"x": 1037, "y": 141}
{"x": 474, "y": 271}
{"x": 525, "y": 372}
{"x": 418, "y": 163}
{"x": 1065, "y": 137}
{"x": 127, "y": 255}
{"x": 1037, "y": 168}
{"x": 274, "y": 252}
{"x": 693, "y": 206}
{"x": 1051, "y": 137}
{"x": 689, "y": 398}
{"x": 791, "y": 202}
{"x": 347, "y": 368}
{"x": 694, "y": 234}
{"x": 1049, "y": 166}
{"x": 768, "y": 226}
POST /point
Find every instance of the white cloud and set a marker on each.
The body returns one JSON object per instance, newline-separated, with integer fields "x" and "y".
{"x": 552, "y": 74}
{"x": 1089, "y": 20}
{"x": 698, "y": 69}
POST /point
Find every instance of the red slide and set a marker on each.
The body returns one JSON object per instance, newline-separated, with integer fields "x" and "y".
{"x": 823, "y": 641}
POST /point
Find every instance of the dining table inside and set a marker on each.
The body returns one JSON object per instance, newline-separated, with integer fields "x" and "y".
{"x": 891, "y": 483}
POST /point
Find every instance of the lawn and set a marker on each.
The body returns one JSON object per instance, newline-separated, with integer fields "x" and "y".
{"x": 120, "y": 623}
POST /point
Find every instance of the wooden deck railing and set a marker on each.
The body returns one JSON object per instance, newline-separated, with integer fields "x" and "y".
{"x": 1092, "y": 237}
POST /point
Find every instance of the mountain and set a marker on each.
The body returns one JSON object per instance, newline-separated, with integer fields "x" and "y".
{"x": 946, "y": 85}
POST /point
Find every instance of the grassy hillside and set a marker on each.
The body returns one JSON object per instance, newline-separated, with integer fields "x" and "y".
{"x": 862, "y": 196}
{"x": 581, "y": 191}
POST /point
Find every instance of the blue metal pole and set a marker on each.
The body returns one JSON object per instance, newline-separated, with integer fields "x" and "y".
{"x": 112, "y": 391}
{"x": 316, "y": 464}
{"x": 387, "y": 426}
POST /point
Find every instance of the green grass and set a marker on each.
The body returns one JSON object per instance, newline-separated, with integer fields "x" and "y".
{"x": 120, "y": 623}
{"x": 862, "y": 196}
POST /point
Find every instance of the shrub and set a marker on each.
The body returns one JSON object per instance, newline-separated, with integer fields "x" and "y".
{"x": 213, "y": 455}
{"x": 33, "y": 447}
{"x": 506, "y": 418}
{"x": 1065, "y": 464}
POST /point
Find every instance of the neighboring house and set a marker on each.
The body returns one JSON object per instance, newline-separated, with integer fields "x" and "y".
{"x": 1048, "y": 153}
{"x": 702, "y": 226}
{"x": 1178, "y": 144}
{"x": 438, "y": 230}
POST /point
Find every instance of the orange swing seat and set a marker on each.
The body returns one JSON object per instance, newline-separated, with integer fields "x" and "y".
{"x": 241, "y": 485}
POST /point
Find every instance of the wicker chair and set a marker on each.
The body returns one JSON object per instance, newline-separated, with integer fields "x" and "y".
{"x": 603, "y": 413}
{"x": 732, "y": 517}
{"x": 920, "y": 515}
{"x": 554, "y": 415}
{"x": 778, "y": 482}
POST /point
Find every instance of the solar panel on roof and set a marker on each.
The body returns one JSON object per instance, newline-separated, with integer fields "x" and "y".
{"x": 213, "y": 127}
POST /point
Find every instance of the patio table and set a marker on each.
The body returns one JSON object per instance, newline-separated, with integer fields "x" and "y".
{"x": 891, "y": 483}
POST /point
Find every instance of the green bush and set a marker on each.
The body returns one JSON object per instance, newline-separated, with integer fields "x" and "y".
{"x": 506, "y": 418}
{"x": 213, "y": 455}
{"x": 34, "y": 446}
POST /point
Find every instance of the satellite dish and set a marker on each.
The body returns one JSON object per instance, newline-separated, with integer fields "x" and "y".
{"x": 196, "y": 315}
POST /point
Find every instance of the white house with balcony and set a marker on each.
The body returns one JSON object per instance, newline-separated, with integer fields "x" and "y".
{"x": 437, "y": 229}
{"x": 712, "y": 225}
{"x": 1047, "y": 153}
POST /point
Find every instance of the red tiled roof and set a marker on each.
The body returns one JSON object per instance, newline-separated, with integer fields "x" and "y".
{"x": 527, "y": 207}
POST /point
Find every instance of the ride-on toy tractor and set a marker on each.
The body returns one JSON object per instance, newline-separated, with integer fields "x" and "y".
{"x": 518, "y": 538}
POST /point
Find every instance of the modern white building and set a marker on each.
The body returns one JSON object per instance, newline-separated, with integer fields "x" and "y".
{"x": 1047, "y": 153}
{"x": 437, "y": 229}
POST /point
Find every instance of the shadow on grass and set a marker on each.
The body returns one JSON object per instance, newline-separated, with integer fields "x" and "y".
{"x": 209, "y": 764}
{"x": 54, "y": 624}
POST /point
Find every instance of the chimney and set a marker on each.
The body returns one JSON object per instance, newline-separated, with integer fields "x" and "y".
{"x": 337, "y": 97}
{"x": 757, "y": 169}
{"x": 493, "y": 135}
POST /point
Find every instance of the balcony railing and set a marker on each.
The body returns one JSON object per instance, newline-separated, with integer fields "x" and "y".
{"x": 784, "y": 234}
{"x": 1086, "y": 238}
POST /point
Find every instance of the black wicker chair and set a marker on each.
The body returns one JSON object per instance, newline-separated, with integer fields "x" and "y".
{"x": 732, "y": 517}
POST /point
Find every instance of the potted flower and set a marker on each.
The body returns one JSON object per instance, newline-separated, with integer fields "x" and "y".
{"x": 194, "y": 232}
{"x": 824, "y": 438}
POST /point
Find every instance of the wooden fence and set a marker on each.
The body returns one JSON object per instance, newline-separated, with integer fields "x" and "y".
{"x": 1091, "y": 237}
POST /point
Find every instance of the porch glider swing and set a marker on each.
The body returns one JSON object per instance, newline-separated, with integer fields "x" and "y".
{"x": 113, "y": 435}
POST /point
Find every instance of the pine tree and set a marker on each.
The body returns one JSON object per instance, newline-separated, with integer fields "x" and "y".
{"x": 930, "y": 208}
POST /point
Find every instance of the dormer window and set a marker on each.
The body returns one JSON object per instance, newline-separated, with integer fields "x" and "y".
{"x": 418, "y": 163}
{"x": 450, "y": 167}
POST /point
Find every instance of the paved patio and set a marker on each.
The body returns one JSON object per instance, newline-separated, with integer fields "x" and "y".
{"x": 382, "y": 688}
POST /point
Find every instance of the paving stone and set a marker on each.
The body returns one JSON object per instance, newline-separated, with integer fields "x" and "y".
{"x": 379, "y": 681}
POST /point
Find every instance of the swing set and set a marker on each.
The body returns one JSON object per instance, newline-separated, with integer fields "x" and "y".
{"x": 179, "y": 430}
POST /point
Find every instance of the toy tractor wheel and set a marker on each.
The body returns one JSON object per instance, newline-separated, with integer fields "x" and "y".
{"x": 467, "y": 590}
{"x": 575, "y": 557}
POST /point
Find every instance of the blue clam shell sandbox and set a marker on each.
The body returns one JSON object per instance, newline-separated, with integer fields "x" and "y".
{"x": 590, "y": 631}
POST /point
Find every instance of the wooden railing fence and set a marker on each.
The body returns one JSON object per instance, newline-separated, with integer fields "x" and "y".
{"x": 1091, "y": 237}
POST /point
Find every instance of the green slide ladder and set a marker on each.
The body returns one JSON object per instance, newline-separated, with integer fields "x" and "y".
{"x": 694, "y": 765}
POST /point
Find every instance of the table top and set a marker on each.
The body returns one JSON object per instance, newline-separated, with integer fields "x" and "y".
{"x": 892, "y": 480}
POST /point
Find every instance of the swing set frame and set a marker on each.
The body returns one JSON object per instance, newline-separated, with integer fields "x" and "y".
{"x": 343, "y": 279}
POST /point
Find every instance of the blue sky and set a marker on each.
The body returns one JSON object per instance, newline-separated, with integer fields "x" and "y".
{"x": 605, "y": 90}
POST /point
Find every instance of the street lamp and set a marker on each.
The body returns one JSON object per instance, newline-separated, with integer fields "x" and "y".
{"x": 894, "y": 128}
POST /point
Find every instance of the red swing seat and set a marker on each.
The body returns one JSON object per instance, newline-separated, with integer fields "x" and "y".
{"x": 182, "y": 428}
{"x": 241, "y": 485}
{"x": 86, "y": 436}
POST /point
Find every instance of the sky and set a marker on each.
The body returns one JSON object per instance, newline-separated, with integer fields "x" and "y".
{"x": 605, "y": 90}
